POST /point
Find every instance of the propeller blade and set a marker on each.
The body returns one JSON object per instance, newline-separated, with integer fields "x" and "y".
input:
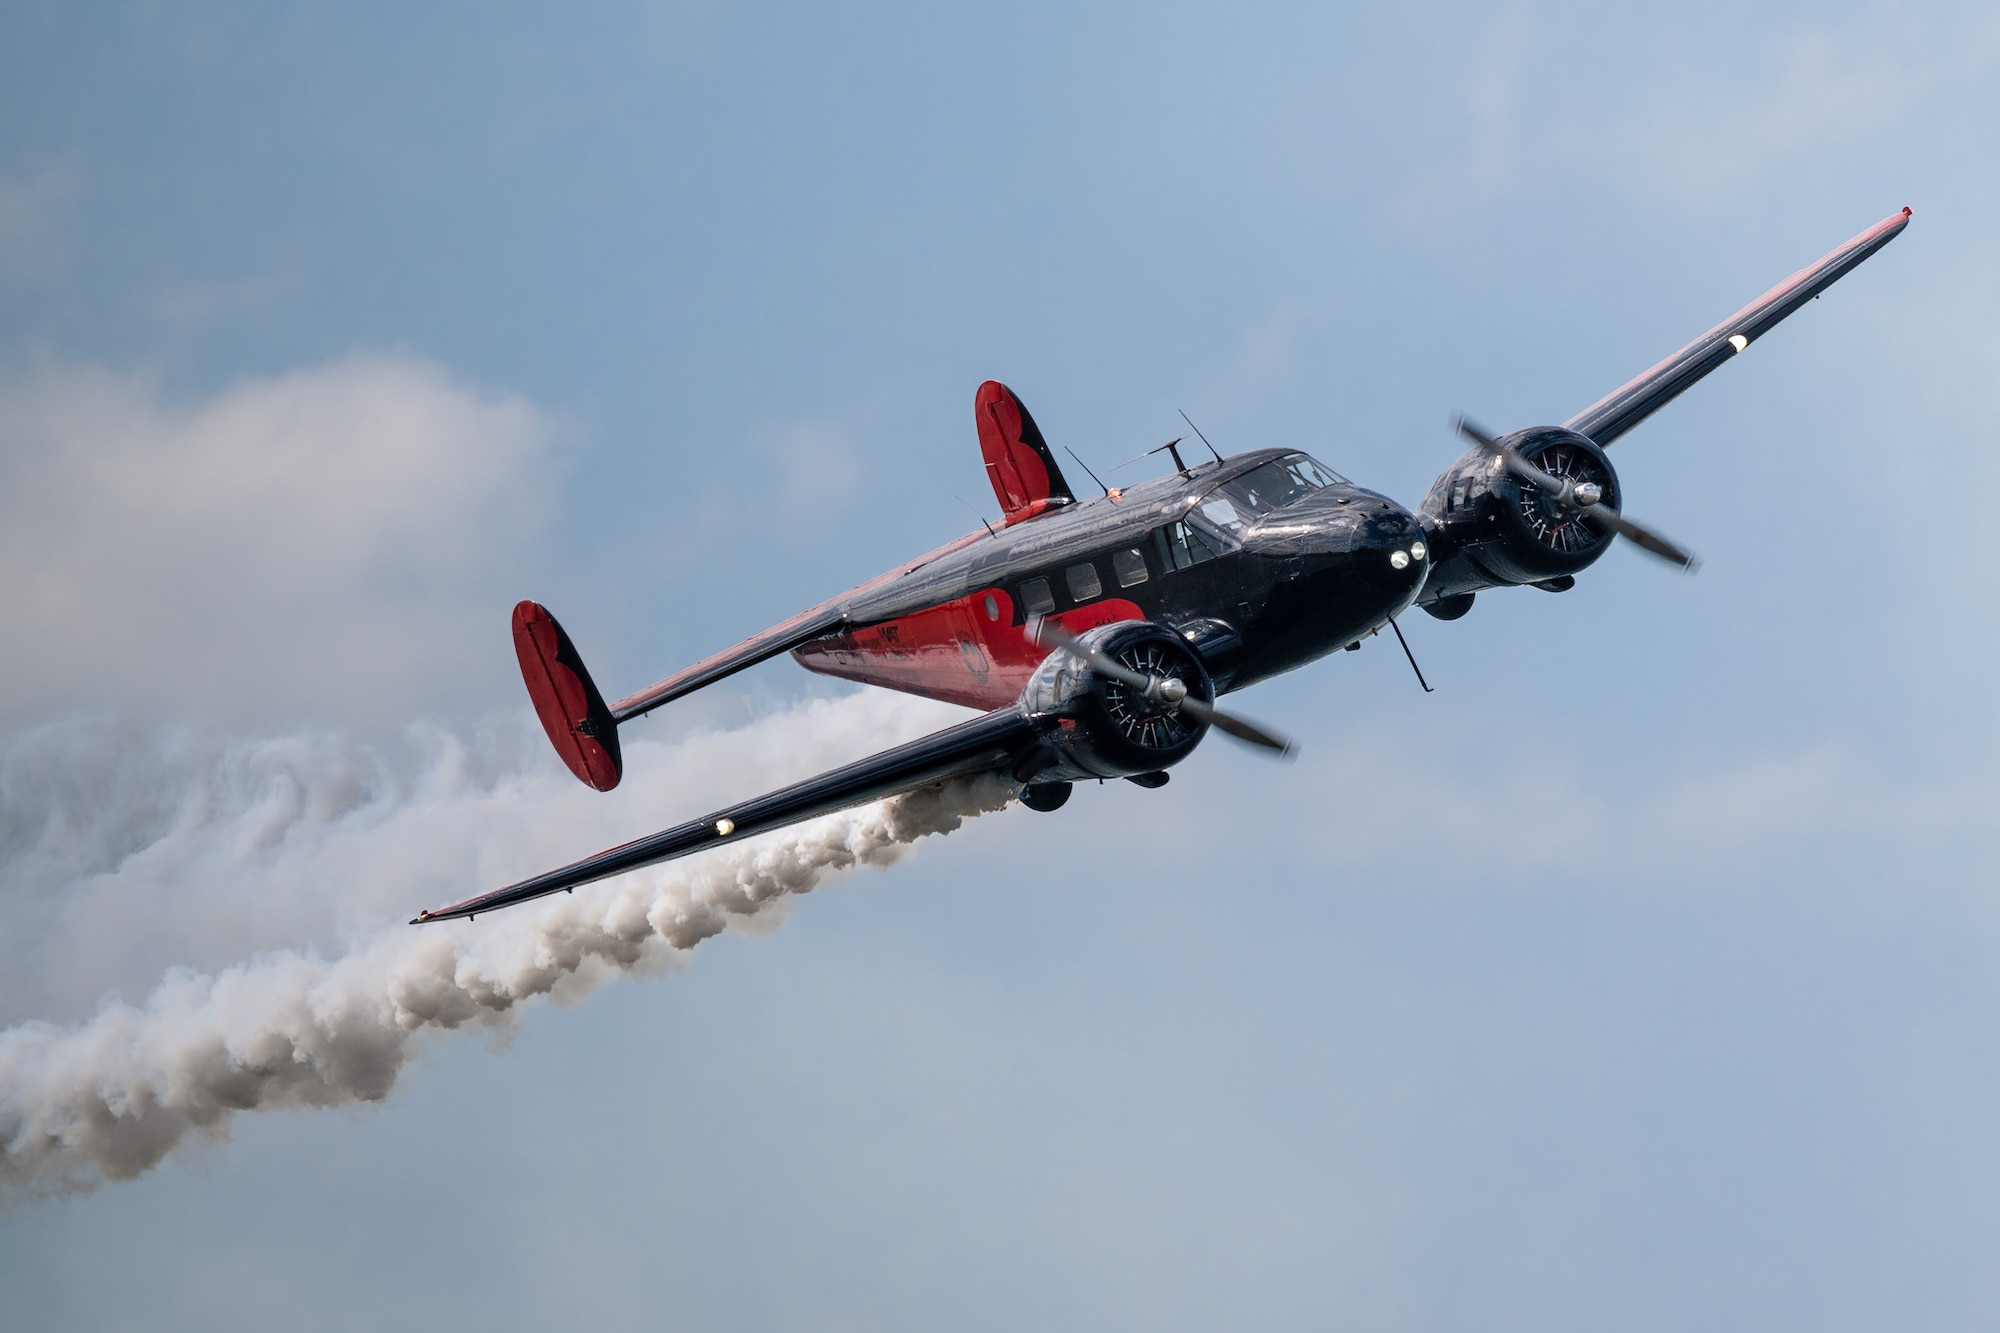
{"x": 1049, "y": 632}
{"x": 1464, "y": 426}
{"x": 1644, "y": 538}
{"x": 1533, "y": 475}
{"x": 1242, "y": 728}
{"x": 1511, "y": 460}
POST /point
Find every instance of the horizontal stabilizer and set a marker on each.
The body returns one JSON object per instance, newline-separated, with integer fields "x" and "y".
{"x": 988, "y": 743}
{"x": 830, "y": 617}
{"x": 566, "y": 699}
{"x": 780, "y": 638}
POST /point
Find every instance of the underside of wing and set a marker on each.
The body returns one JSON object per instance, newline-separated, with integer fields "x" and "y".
{"x": 1625, "y": 407}
{"x": 990, "y": 743}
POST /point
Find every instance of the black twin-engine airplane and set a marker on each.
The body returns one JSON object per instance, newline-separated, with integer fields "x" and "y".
{"x": 1096, "y": 635}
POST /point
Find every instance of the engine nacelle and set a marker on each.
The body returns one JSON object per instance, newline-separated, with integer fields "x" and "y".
{"x": 1103, "y": 728}
{"x": 1491, "y": 528}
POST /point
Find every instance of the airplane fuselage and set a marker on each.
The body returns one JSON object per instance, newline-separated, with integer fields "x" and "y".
{"x": 1258, "y": 589}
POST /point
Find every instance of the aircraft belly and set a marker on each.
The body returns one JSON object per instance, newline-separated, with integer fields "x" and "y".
{"x": 972, "y": 650}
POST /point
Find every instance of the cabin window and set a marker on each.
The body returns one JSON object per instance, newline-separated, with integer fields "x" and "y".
{"x": 992, "y": 607}
{"x": 1036, "y": 599}
{"x": 1187, "y": 547}
{"x": 1083, "y": 584}
{"x": 1129, "y": 566}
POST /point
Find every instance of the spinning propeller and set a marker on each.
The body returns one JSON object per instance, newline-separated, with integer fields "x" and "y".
{"x": 1583, "y": 498}
{"x": 1169, "y": 692}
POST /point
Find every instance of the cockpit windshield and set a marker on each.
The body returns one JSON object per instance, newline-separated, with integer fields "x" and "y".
{"x": 1265, "y": 489}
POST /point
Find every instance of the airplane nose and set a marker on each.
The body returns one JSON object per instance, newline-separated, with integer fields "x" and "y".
{"x": 1392, "y": 547}
{"x": 1362, "y": 533}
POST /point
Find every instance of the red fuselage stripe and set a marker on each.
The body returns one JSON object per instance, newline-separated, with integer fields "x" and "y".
{"x": 957, "y": 651}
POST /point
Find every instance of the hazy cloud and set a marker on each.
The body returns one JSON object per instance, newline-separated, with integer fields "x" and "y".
{"x": 1695, "y": 134}
{"x": 1821, "y": 88}
{"x": 814, "y": 468}
{"x": 192, "y": 306}
{"x": 30, "y": 209}
{"x": 331, "y": 542}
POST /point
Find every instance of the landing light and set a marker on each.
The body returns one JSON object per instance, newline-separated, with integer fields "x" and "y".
{"x": 1399, "y": 560}
{"x": 1417, "y": 551}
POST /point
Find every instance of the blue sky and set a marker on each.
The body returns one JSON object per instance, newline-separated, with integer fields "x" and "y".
{"x": 1641, "y": 976}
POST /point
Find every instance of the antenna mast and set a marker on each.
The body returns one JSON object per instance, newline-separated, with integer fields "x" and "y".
{"x": 1197, "y": 430}
{"x": 1086, "y": 467}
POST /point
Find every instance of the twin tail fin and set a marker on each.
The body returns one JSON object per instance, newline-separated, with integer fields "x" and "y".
{"x": 574, "y": 714}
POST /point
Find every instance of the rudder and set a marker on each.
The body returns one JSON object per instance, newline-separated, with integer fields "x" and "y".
{"x": 1023, "y": 471}
{"x": 573, "y": 713}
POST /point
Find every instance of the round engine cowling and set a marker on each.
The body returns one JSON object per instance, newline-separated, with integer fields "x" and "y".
{"x": 1512, "y": 531}
{"x": 1104, "y": 728}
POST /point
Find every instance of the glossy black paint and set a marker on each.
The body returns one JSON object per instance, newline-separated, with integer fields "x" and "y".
{"x": 1282, "y": 591}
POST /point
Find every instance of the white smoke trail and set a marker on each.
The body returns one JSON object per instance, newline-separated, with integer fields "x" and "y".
{"x": 109, "y": 1097}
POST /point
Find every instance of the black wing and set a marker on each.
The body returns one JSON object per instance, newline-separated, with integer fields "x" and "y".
{"x": 780, "y": 638}
{"x": 1623, "y": 408}
{"x": 991, "y": 742}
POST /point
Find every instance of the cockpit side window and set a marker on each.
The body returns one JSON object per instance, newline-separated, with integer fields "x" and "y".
{"x": 1218, "y": 510}
{"x": 1310, "y": 471}
{"x": 1263, "y": 489}
{"x": 1186, "y": 546}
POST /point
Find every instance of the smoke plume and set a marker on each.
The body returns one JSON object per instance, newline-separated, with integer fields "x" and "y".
{"x": 111, "y": 844}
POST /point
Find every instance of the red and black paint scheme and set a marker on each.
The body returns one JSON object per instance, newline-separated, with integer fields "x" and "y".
{"x": 1094, "y": 636}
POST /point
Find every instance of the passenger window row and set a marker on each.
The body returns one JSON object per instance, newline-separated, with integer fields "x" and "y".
{"x": 1175, "y": 547}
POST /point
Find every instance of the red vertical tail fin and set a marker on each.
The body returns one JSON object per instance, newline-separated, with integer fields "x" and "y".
{"x": 1018, "y": 462}
{"x": 566, "y": 699}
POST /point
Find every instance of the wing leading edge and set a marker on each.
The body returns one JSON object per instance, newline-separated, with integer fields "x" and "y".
{"x": 991, "y": 742}
{"x": 1626, "y": 406}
